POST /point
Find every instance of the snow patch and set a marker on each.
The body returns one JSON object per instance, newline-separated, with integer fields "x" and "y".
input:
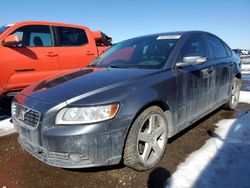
{"x": 6, "y": 127}
{"x": 245, "y": 97}
{"x": 245, "y": 68}
{"x": 245, "y": 72}
{"x": 223, "y": 161}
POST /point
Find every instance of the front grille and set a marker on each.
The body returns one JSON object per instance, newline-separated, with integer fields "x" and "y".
{"x": 26, "y": 115}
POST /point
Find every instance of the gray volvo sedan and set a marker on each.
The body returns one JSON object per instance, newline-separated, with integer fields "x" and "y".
{"x": 125, "y": 105}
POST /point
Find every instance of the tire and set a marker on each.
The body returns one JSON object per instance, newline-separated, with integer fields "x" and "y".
{"x": 147, "y": 140}
{"x": 5, "y": 105}
{"x": 234, "y": 94}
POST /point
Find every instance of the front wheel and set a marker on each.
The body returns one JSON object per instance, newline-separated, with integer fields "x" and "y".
{"x": 234, "y": 94}
{"x": 147, "y": 140}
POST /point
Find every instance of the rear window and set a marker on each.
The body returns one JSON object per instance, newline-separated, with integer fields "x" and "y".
{"x": 229, "y": 51}
{"x": 72, "y": 36}
{"x": 217, "y": 48}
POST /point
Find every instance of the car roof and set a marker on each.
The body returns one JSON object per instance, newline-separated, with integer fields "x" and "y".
{"x": 46, "y": 23}
{"x": 181, "y": 33}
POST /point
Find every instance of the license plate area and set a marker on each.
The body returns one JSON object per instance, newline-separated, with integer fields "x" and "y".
{"x": 27, "y": 133}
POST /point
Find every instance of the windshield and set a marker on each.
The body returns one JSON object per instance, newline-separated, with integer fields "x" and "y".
{"x": 4, "y": 28}
{"x": 144, "y": 52}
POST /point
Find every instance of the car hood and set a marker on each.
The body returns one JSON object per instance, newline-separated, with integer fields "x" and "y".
{"x": 72, "y": 84}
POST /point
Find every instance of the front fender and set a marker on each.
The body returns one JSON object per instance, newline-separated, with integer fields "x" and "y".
{"x": 1, "y": 86}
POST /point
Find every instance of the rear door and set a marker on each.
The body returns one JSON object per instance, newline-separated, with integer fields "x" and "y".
{"x": 35, "y": 59}
{"x": 75, "y": 47}
{"x": 195, "y": 82}
{"x": 223, "y": 64}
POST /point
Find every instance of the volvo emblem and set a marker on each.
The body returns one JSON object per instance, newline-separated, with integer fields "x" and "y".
{"x": 21, "y": 115}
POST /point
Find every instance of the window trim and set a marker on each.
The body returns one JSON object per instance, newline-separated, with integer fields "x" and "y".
{"x": 58, "y": 42}
{"x": 23, "y": 46}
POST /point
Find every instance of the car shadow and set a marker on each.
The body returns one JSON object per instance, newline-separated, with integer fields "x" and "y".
{"x": 158, "y": 177}
{"x": 26, "y": 52}
{"x": 97, "y": 169}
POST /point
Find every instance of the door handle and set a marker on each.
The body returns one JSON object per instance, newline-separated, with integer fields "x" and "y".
{"x": 89, "y": 53}
{"x": 211, "y": 69}
{"x": 207, "y": 72}
{"x": 51, "y": 54}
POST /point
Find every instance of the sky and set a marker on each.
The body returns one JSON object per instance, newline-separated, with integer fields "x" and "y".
{"x": 120, "y": 19}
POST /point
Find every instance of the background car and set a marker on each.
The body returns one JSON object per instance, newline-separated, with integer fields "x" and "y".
{"x": 33, "y": 50}
{"x": 237, "y": 51}
{"x": 244, "y": 52}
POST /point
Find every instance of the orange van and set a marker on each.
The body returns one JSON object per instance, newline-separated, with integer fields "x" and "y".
{"x": 33, "y": 50}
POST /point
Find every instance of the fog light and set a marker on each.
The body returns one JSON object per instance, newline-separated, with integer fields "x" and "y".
{"x": 75, "y": 157}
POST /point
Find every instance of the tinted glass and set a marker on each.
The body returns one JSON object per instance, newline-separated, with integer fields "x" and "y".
{"x": 72, "y": 36}
{"x": 195, "y": 46}
{"x": 3, "y": 28}
{"x": 228, "y": 50}
{"x": 217, "y": 47}
{"x": 144, "y": 52}
{"x": 35, "y": 35}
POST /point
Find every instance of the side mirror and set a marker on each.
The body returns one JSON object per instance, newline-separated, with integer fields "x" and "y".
{"x": 191, "y": 60}
{"x": 12, "y": 41}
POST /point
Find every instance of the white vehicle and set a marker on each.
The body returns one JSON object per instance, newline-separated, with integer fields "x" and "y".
{"x": 244, "y": 52}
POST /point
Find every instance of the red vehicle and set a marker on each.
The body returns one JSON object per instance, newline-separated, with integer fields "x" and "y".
{"x": 33, "y": 50}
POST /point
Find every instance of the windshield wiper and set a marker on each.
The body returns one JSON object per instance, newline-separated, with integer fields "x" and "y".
{"x": 93, "y": 65}
{"x": 127, "y": 66}
{"x": 119, "y": 66}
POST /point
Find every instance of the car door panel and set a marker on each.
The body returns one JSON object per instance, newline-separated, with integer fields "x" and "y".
{"x": 196, "y": 83}
{"x": 32, "y": 61}
{"x": 30, "y": 72}
{"x": 222, "y": 65}
{"x": 196, "y": 90}
{"x": 222, "y": 80}
{"x": 76, "y": 49}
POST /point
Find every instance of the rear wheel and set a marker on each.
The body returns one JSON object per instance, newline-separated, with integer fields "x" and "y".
{"x": 146, "y": 140}
{"x": 234, "y": 94}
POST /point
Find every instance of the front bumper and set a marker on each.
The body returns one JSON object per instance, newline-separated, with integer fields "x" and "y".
{"x": 81, "y": 147}
{"x": 71, "y": 146}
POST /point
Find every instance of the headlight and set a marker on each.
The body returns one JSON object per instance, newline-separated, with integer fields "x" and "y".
{"x": 92, "y": 114}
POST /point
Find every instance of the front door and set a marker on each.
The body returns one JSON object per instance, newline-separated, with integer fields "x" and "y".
{"x": 196, "y": 83}
{"x": 34, "y": 60}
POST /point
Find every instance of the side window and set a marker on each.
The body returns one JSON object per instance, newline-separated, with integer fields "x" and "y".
{"x": 229, "y": 51}
{"x": 195, "y": 46}
{"x": 72, "y": 36}
{"x": 217, "y": 48}
{"x": 35, "y": 35}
